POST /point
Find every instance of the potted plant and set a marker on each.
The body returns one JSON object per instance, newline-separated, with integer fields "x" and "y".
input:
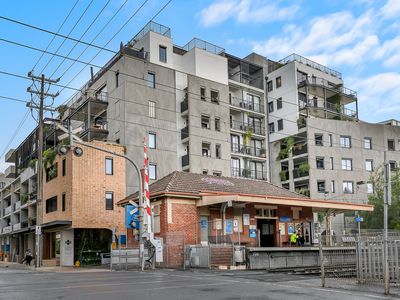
{"x": 283, "y": 175}
{"x": 32, "y": 163}
{"x": 49, "y": 155}
{"x": 24, "y": 198}
{"x": 304, "y": 168}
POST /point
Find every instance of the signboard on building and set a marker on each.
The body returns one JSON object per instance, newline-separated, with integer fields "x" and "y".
{"x": 132, "y": 217}
{"x": 228, "y": 227}
{"x": 246, "y": 219}
{"x": 282, "y": 228}
{"x": 290, "y": 228}
{"x": 285, "y": 219}
{"x": 235, "y": 225}
{"x": 252, "y": 233}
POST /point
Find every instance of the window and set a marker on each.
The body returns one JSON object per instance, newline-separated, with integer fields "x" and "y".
{"x": 391, "y": 145}
{"x": 270, "y": 106}
{"x": 320, "y": 163}
{"x": 156, "y": 214}
{"x": 345, "y": 141}
{"x": 153, "y": 171}
{"x": 269, "y": 86}
{"x": 319, "y": 139}
{"x": 109, "y": 166}
{"x": 331, "y": 163}
{"x": 348, "y": 187}
{"x": 151, "y": 80}
{"x": 203, "y": 93}
{"x": 369, "y": 165}
{"x": 217, "y": 124}
{"x": 367, "y": 143}
{"x": 279, "y": 103}
{"x": 116, "y": 79}
{"x": 205, "y": 122}
{"x": 266, "y": 212}
{"x": 205, "y": 149}
{"x": 392, "y": 165}
{"x": 51, "y": 205}
{"x": 162, "y": 53}
{"x": 330, "y": 140}
{"x": 278, "y": 82}
{"x": 370, "y": 188}
{"x": 347, "y": 164}
{"x": 152, "y": 140}
{"x": 321, "y": 186}
{"x": 205, "y": 172}
{"x": 280, "y": 125}
{"x": 63, "y": 202}
{"x": 332, "y": 186}
{"x": 218, "y": 151}
{"x": 214, "y": 96}
{"x": 64, "y": 167}
{"x": 109, "y": 200}
{"x": 152, "y": 109}
{"x": 52, "y": 172}
{"x": 271, "y": 127}
{"x": 217, "y": 173}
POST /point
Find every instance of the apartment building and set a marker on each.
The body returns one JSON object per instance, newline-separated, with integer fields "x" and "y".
{"x": 319, "y": 147}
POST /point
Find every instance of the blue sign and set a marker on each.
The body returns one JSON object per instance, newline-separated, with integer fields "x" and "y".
{"x": 359, "y": 219}
{"x": 228, "y": 227}
{"x": 131, "y": 220}
{"x": 122, "y": 239}
{"x": 285, "y": 219}
{"x": 252, "y": 233}
{"x": 203, "y": 224}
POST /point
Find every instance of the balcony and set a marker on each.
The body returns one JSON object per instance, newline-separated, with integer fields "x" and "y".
{"x": 242, "y": 126}
{"x": 10, "y": 172}
{"x": 248, "y": 150}
{"x": 7, "y": 229}
{"x": 238, "y": 102}
{"x": 184, "y": 133}
{"x": 185, "y": 160}
{"x": 319, "y": 108}
{"x": 10, "y": 156}
{"x": 247, "y": 73}
{"x": 16, "y": 226}
{"x": 299, "y": 150}
{"x": 184, "y": 106}
{"x": 247, "y": 173}
{"x": 7, "y": 210}
{"x": 337, "y": 88}
{"x": 17, "y": 205}
{"x": 297, "y": 173}
{"x": 284, "y": 175}
{"x": 96, "y": 130}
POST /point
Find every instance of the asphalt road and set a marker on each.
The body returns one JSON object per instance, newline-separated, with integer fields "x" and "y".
{"x": 169, "y": 284}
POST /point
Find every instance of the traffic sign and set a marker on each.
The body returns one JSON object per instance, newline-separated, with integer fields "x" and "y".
{"x": 359, "y": 219}
{"x": 132, "y": 216}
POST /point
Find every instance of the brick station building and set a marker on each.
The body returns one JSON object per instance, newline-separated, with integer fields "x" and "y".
{"x": 202, "y": 209}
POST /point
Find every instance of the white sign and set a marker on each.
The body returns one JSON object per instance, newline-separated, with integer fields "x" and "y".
{"x": 235, "y": 225}
{"x": 246, "y": 219}
{"x": 38, "y": 230}
{"x": 158, "y": 243}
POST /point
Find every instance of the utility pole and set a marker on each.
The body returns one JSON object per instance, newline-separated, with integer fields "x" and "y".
{"x": 386, "y": 202}
{"x": 39, "y": 202}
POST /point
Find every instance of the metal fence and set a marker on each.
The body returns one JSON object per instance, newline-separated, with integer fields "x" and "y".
{"x": 359, "y": 259}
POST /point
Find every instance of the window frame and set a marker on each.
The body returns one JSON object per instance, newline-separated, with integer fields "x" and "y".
{"x": 63, "y": 167}
{"x": 271, "y": 127}
{"x": 278, "y": 81}
{"x": 217, "y": 127}
{"x": 317, "y": 141}
{"x": 153, "y": 165}
{"x": 160, "y": 49}
{"x": 213, "y": 99}
{"x": 280, "y": 124}
{"x": 343, "y": 144}
{"x": 271, "y": 106}
{"x": 152, "y": 109}
{"x": 153, "y": 134}
{"x": 51, "y": 204}
{"x": 279, "y": 103}
{"x": 369, "y": 142}
{"x": 320, "y": 159}
{"x": 151, "y": 83}
{"x": 391, "y": 148}
{"x": 371, "y": 162}
{"x": 345, "y": 165}
{"x": 107, "y": 206}
{"x": 218, "y": 151}
{"x": 108, "y": 159}
{"x": 318, "y": 183}
{"x": 270, "y": 86}
{"x": 63, "y": 201}
{"x": 203, "y": 92}
{"x": 346, "y": 182}
{"x": 117, "y": 79}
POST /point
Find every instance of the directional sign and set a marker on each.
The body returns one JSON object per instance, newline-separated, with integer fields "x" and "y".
{"x": 135, "y": 209}
{"x": 132, "y": 216}
{"x": 359, "y": 219}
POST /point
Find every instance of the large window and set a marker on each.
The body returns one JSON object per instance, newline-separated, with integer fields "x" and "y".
{"x": 347, "y": 164}
{"x": 367, "y": 143}
{"x": 345, "y": 141}
{"x": 321, "y": 186}
{"x": 51, "y": 204}
{"x": 214, "y": 96}
{"x": 109, "y": 200}
{"x": 153, "y": 171}
{"x": 152, "y": 140}
{"x": 151, "y": 80}
{"x": 348, "y": 187}
{"x": 163, "y": 53}
{"x": 369, "y": 166}
{"x": 109, "y": 166}
{"x": 319, "y": 139}
{"x": 320, "y": 163}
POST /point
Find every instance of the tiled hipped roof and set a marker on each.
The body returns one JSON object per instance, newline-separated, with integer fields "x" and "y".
{"x": 184, "y": 182}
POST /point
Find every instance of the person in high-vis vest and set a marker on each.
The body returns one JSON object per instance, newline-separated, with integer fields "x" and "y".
{"x": 293, "y": 238}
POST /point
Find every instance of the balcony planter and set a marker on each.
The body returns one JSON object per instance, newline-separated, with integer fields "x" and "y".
{"x": 247, "y": 137}
{"x": 288, "y": 147}
{"x": 283, "y": 175}
{"x": 32, "y": 163}
{"x": 304, "y": 168}
{"x": 24, "y": 198}
{"x": 49, "y": 155}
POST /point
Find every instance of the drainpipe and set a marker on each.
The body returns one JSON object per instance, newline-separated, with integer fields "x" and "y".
{"x": 267, "y": 144}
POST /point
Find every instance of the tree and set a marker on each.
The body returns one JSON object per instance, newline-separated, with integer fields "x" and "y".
{"x": 374, "y": 220}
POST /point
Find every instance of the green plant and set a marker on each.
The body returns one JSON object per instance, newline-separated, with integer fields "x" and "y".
{"x": 21, "y": 169}
{"x": 52, "y": 172}
{"x": 263, "y": 152}
{"x": 61, "y": 110}
{"x": 247, "y": 137}
{"x": 32, "y": 163}
{"x": 287, "y": 147}
{"x": 49, "y": 155}
{"x": 304, "y": 191}
{"x": 24, "y": 198}
{"x": 283, "y": 175}
{"x": 304, "y": 168}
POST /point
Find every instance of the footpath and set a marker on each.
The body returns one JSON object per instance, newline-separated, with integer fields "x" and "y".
{"x": 18, "y": 266}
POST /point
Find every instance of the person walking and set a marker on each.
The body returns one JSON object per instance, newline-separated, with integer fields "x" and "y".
{"x": 28, "y": 257}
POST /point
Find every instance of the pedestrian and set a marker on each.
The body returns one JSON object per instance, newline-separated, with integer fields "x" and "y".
{"x": 28, "y": 257}
{"x": 293, "y": 238}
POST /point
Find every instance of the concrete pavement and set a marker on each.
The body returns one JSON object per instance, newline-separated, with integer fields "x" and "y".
{"x": 169, "y": 284}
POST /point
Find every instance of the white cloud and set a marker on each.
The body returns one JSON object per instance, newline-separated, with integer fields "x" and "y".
{"x": 391, "y": 9}
{"x": 246, "y": 11}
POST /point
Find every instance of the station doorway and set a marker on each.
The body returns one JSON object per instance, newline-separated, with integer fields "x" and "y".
{"x": 266, "y": 228}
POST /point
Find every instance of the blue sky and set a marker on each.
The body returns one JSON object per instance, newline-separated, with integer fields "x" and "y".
{"x": 359, "y": 38}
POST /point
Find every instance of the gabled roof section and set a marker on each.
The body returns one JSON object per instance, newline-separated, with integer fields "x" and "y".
{"x": 196, "y": 184}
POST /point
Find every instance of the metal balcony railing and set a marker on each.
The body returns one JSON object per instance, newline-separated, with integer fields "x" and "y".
{"x": 17, "y": 205}
{"x": 184, "y": 106}
{"x": 17, "y": 226}
{"x": 298, "y": 174}
{"x": 238, "y": 102}
{"x": 248, "y": 150}
{"x": 248, "y": 173}
{"x": 255, "y": 128}
{"x": 299, "y": 150}
{"x": 325, "y": 83}
{"x": 185, "y": 160}
{"x": 335, "y": 108}
{"x": 7, "y": 229}
{"x": 184, "y": 132}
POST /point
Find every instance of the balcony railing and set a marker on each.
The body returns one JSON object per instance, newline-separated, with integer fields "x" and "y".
{"x": 238, "y": 102}
{"x": 327, "y": 84}
{"x": 255, "y": 128}
{"x": 17, "y": 205}
{"x": 17, "y": 226}
{"x": 248, "y": 173}
{"x": 102, "y": 125}
{"x": 184, "y": 106}
{"x": 335, "y": 108}
{"x": 297, "y": 150}
{"x": 184, "y": 132}
{"x": 7, "y": 210}
{"x": 298, "y": 174}
{"x": 185, "y": 160}
{"x": 7, "y": 229}
{"x": 248, "y": 150}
